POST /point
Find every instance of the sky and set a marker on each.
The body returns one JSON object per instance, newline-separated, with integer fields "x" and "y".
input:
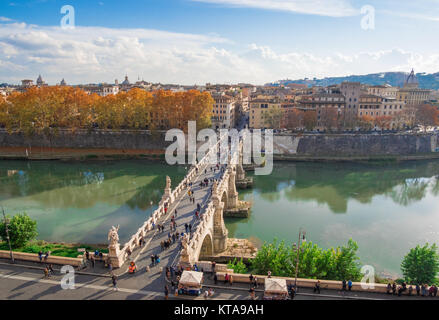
{"x": 217, "y": 41}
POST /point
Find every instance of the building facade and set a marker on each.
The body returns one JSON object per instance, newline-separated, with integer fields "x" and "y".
{"x": 224, "y": 113}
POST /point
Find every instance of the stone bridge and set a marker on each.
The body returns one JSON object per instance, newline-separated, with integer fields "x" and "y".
{"x": 209, "y": 235}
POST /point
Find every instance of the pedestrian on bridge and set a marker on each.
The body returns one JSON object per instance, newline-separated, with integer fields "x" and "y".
{"x": 166, "y": 292}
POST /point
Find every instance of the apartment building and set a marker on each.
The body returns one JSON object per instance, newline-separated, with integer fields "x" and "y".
{"x": 259, "y": 107}
{"x": 374, "y": 107}
{"x": 327, "y": 106}
{"x": 224, "y": 111}
{"x": 386, "y": 91}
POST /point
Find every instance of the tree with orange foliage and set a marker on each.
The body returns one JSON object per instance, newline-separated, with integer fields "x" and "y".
{"x": 427, "y": 115}
{"x": 310, "y": 120}
{"x": 329, "y": 118}
{"x": 47, "y": 108}
{"x": 295, "y": 119}
{"x": 366, "y": 122}
{"x": 383, "y": 122}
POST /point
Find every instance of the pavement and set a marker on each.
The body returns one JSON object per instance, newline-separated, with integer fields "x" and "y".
{"x": 24, "y": 283}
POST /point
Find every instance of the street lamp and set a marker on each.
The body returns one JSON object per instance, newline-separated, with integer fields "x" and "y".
{"x": 7, "y": 235}
{"x": 302, "y": 234}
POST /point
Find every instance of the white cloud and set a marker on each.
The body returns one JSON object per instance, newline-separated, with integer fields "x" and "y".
{"x": 92, "y": 54}
{"x": 332, "y": 8}
{"x": 5, "y": 19}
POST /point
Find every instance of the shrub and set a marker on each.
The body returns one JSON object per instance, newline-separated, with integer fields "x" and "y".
{"x": 22, "y": 229}
{"x": 237, "y": 266}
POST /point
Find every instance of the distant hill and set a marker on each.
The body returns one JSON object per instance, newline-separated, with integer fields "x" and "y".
{"x": 395, "y": 79}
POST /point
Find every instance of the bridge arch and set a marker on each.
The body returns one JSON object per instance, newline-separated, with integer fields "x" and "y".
{"x": 206, "y": 249}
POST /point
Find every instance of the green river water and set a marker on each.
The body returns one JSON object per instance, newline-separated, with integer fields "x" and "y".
{"x": 387, "y": 208}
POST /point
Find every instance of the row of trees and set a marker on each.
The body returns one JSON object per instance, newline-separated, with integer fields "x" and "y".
{"x": 419, "y": 266}
{"x": 315, "y": 263}
{"x": 331, "y": 119}
{"x": 41, "y": 109}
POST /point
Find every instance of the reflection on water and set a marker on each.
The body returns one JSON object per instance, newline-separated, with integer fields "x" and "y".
{"x": 79, "y": 202}
{"x": 386, "y": 208}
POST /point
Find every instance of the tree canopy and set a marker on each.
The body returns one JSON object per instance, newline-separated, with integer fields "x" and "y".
{"x": 339, "y": 263}
{"x": 421, "y": 265}
{"x": 46, "y": 108}
{"x": 22, "y": 229}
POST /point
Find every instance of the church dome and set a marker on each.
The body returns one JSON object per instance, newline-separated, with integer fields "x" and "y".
{"x": 411, "y": 79}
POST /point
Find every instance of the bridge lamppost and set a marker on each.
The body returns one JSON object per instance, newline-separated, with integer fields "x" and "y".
{"x": 302, "y": 234}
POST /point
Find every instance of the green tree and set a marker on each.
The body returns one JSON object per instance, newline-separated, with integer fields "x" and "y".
{"x": 237, "y": 266}
{"x": 345, "y": 262}
{"x": 22, "y": 229}
{"x": 339, "y": 263}
{"x": 421, "y": 265}
{"x": 274, "y": 257}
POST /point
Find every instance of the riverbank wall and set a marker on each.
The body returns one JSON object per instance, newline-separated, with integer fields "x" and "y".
{"x": 355, "y": 147}
{"x": 128, "y": 144}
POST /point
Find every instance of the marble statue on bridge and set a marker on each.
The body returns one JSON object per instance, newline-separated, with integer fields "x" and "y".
{"x": 113, "y": 236}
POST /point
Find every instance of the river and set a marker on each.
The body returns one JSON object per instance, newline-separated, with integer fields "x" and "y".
{"x": 387, "y": 208}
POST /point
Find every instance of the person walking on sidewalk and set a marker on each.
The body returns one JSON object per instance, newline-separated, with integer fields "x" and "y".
{"x": 51, "y": 271}
{"x": 317, "y": 287}
{"x": 114, "y": 280}
{"x": 46, "y": 272}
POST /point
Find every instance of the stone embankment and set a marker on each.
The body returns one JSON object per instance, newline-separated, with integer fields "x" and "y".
{"x": 98, "y": 144}
{"x": 352, "y": 147}
{"x": 31, "y": 257}
{"x": 237, "y": 249}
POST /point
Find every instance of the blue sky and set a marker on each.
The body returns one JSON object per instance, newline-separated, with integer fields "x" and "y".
{"x": 198, "y": 41}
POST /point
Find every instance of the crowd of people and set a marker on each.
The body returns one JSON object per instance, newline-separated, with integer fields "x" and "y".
{"x": 423, "y": 290}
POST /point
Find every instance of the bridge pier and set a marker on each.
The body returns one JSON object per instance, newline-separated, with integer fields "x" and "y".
{"x": 220, "y": 232}
{"x": 232, "y": 200}
{"x": 242, "y": 182}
